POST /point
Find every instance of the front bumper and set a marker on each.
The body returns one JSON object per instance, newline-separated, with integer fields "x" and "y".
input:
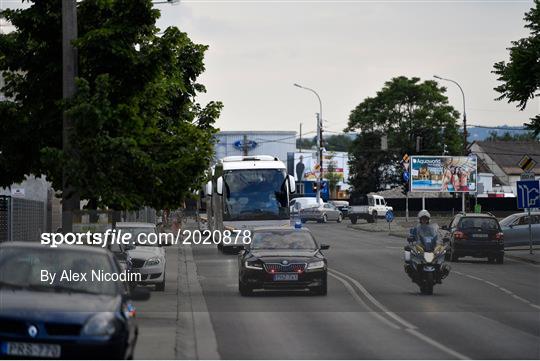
{"x": 151, "y": 274}
{"x": 260, "y": 279}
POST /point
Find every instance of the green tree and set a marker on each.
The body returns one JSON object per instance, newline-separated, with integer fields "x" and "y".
{"x": 332, "y": 176}
{"x": 306, "y": 143}
{"x": 337, "y": 143}
{"x": 520, "y": 77}
{"x": 141, "y": 138}
{"x": 403, "y": 110}
{"x": 507, "y": 136}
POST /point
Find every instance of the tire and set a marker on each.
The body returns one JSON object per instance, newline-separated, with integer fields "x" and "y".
{"x": 160, "y": 287}
{"x": 244, "y": 290}
{"x": 340, "y": 218}
{"x": 453, "y": 255}
{"x": 500, "y": 259}
{"x": 427, "y": 287}
{"x": 354, "y": 220}
{"x": 324, "y": 218}
{"x": 374, "y": 215}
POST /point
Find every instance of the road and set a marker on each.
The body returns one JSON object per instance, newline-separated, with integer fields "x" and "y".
{"x": 372, "y": 310}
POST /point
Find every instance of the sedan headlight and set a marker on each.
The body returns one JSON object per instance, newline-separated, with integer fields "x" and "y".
{"x": 315, "y": 265}
{"x": 429, "y": 256}
{"x": 253, "y": 265}
{"x": 152, "y": 262}
{"x": 102, "y": 324}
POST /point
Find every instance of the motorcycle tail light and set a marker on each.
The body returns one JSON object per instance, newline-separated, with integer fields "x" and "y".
{"x": 459, "y": 235}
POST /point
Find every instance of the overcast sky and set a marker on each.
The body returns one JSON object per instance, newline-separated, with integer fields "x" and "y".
{"x": 346, "y": 50}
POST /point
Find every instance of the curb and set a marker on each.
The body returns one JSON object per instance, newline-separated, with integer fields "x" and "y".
{"x": 522, "y": 259}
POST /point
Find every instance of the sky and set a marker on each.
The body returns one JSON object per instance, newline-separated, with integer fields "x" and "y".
{"x": 345, "y": 50}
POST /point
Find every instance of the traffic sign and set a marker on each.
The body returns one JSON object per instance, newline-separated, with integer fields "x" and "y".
{"x": 528, "y": 194}
{"x": 405, "y": 176}
{"x": 528, "y": 176}
{"x": 406, "y": 158}
{"x": 527, "y": 163}
{"x": 389, "y": 216}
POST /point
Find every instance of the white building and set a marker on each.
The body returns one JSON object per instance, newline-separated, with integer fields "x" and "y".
{"x": 275, "y": 143}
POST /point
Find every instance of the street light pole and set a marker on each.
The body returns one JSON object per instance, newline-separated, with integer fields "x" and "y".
{"x": 319, "y": 140}
{"x": 464, "y": 112}
{"x": 70, "y": 197}
{"x": 464, "y": 128}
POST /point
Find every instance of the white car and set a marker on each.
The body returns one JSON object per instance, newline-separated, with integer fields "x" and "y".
{"x": 147, "y": 259}
{"x": 297, "y": 204}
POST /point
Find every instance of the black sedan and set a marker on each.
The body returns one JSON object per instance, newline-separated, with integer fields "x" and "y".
{"x": 282, "y": 258}
{"x": 52, "y": 305}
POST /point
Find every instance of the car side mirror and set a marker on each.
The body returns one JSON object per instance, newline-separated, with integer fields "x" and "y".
{"x": 324, "y": 246}
{"x": 140, "y": 294}
{"x": 292, "y": 184}
{"x": 219, "y": 186}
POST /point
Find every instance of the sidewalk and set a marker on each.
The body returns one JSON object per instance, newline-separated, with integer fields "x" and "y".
{"x": 522, "y": 254}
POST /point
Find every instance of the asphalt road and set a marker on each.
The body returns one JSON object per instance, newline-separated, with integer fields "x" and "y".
{"x": 372, "y": 310}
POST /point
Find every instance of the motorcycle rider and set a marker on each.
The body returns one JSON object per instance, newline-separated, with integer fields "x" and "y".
{"x": 423, "y": 228}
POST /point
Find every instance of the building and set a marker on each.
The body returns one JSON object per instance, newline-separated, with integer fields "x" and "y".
{"x": 498, "y": 163}
{"x": 275, "y": 143}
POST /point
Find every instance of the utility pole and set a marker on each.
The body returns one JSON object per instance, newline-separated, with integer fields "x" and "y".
{"x": 321, "y": 157}
{"x": 245, "y": 145}
{"x": 70, "y": 197}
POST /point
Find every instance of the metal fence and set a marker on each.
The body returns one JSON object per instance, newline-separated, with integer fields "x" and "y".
{"x": 21, "y": 219}
{"x": 146, "y": 215}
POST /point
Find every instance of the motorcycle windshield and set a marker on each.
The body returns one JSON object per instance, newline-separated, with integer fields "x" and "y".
{"x": 427, "y": 234}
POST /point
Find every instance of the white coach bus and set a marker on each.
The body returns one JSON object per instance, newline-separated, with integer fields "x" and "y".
{"x": 247, "y": 192}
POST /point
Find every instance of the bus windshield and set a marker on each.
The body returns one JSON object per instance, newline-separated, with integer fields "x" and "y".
{"x": 255, "y": 194}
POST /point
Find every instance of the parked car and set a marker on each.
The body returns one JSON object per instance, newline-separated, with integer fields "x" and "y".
{"x": 297, "y": 204}
{"x": 516, "y": 229}
{"x": 282, "y": 258}
{"x": 476, "y": 235}
{"x": 64, "y": 318}
{"x": 343, "y": 207}
{"x": 322, "y": 214}
{"x": 147, "y": 259}
{"x": 121, "y": 254}
{"x": 375, "y": 207}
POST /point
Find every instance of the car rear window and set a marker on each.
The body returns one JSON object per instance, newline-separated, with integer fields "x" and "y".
{"x": 478, "y": 223}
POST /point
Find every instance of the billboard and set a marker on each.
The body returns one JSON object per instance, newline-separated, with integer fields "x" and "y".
{"x": 305, "y": 166}
{"x": 443, "y": 173}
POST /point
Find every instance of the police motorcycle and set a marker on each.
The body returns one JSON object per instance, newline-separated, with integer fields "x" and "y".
{"x": 424, "y": 258}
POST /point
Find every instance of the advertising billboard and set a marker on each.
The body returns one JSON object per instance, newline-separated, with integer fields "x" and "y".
{"x": 305, "y": 166}
{"x": 443, "y": 174}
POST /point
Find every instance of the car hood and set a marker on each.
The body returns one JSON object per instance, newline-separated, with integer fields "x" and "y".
{"x": 278, "y": 255}
{"x": 55, "y": 307}
{"x": 143, "y": 252}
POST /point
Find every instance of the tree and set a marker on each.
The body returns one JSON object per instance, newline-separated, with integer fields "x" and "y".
{"x": 141, "y": 138}
{"x": 520, "y": 77}
{"x": 337, "y": 143}
{"x": 332, "y": 176}
{"x": 507, "y": 136}
{"x": 306, "y": 143}
{"x": 403, "y": 110}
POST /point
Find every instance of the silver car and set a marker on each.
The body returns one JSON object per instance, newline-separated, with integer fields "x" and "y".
{"x": 516, "y": 229}
{"x": 322, "y": 214}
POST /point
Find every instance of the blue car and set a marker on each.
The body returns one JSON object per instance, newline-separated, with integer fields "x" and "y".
{"x": 49, "y": 310}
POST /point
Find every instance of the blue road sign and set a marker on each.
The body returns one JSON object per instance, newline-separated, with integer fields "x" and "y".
{"x": 389, "y": 216}
{"x": 528, "y": 194}
{"x": 405, "y": 176}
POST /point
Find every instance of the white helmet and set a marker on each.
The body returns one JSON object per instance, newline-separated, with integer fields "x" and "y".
{"x": 424, "y": 213}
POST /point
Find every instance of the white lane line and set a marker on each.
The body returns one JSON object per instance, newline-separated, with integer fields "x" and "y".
{"x": 502, "y": 289}
{"x": 355, "y": 295}
{"x": 375, "y": 302}
{"x": 410, "y": 328}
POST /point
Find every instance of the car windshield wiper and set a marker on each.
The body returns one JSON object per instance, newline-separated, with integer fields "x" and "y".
{"x": 11, "y": 285}
{"x": 59, "y": 288}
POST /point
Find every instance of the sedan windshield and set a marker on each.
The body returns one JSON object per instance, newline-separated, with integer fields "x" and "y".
{"x": 22, "y": 268}
{"x": 283, "y": 240}
{"x": 139, "y": 235}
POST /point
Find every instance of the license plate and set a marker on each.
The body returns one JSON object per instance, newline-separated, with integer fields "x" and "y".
{"x": 480, "y": 236}
{"x": 286, "y": 277}
{"x": 40, "y": 350}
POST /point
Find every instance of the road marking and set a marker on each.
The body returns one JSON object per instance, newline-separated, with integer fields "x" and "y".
{"x": 361, "y": 301}
{"x": 408, "y": 327}
{"x": 502, "y": 289}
